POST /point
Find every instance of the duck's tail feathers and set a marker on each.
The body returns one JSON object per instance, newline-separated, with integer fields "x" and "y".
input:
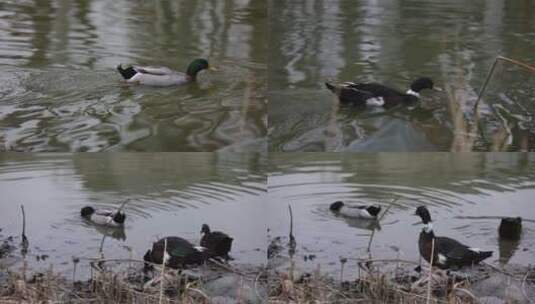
{"x": 485, "y": 254}
{"x": 331, "y": 87}
{"x": 127, "y": 73}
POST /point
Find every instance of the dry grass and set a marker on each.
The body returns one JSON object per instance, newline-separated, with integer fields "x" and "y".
{"x": 377, "y": 285}
{"x": 109, "y": 284}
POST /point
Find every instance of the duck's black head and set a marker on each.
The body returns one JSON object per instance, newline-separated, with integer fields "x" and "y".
{"x": 336, "y": 206}
{"x": 196, "y": 66}
{"x": 119, "y": 217}
{"x": 205, "y": 228}
{"x": 87, "y": 211}
{"x": 423, "y": 213}
{"x": 421, "y": 84}
{"x": 374, "y": 210}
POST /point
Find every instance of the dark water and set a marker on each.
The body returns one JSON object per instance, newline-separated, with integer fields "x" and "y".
{"x": 394, "y": 42}
{"x": 59, "y": 90}
{"x": 169, "y": 194}
{"x": 465, "y": 193}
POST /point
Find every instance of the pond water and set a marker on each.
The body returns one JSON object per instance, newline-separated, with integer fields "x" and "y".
{"x": 393, "y": 42}
{"x": 59, "y": 89}
{"x": 169, "y": 194}
{"x": 465, "y": 194}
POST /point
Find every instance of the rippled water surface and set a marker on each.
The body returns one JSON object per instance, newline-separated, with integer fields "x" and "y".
{"x": 465, "y": 193}
{"x": 169, "y": 194}
{"x": 59, "y": 90}
{"x": 394, "y": 42}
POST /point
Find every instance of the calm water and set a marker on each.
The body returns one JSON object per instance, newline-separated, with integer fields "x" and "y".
{"x": 464, "y": 193}
{"x": 394, "y": 42}
{"x": 170, "y": 194}
{"x": 59, "y": 90}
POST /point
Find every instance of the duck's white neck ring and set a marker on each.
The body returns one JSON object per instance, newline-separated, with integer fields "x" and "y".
{"x": 428, "y": 227}
{"x": 411, "y": 92}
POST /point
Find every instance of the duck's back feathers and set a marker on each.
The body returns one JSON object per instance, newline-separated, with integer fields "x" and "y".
{"x": 154, "y": 70}
{"x": 180, "y": 252}
{"x": 153, "y": 76}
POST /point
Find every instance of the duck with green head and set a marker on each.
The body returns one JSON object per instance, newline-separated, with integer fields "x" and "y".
{"x": 163, "y": 76}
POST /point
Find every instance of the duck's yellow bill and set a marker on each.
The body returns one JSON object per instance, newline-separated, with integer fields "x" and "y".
{"x": 211, "y": 68}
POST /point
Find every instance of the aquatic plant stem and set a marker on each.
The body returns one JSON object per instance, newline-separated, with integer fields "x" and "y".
{"x": 24, "y": 242}
{"x": 430, "y": 278}
{"x": 163, "y": 270}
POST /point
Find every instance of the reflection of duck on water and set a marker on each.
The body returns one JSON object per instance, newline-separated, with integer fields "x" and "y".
{"x": 371, "y": 225}
{"x": 117, "y": 233}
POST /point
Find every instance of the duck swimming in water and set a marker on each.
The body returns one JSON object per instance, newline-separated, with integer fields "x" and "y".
{"x": 217, "y": 243}
{"x": 362, "y": 212}
{"x": 447, "y": 252}
{"x": 162, "y": 76}
{"x": 375, "y": 94}
{"x": 103, "y": 217}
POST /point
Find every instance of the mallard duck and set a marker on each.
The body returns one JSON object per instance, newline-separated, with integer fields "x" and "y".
{"x": 217, "y": 243}
{"x": 103, "y": 217}
{"x": 447, "y": 252}
{"x": 179, "y": 253}
{"x": 510, "y": 228}
{"x": 162, "y": 76}
{"x": 375, "y": 94}
{"x": 363, "y": 212}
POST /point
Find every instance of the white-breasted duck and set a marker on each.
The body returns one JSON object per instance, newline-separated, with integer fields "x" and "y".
{"x": 447, "y": 252}
{"x": 354, "y": 211}
{"x": 179, "y": 254}
{"x": 510, "y": 228}
{"x": 375, "y": 94}
{"x": 217, "y": 243}
{"x": 162, "y": 76}
{"x": 103, "y": 217}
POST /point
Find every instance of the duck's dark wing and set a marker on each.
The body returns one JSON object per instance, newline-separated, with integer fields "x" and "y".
{"x": 376, "y": 89}
{"x": 348, "y": 94}
{"x": 451, "y": 248}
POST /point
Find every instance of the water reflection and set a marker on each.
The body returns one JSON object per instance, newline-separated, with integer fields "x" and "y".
{"x": 467, "y": 194}
{"x": 60, "y": 91}
{"x": 393, "y": 42}
{"x": 169, "y": 194}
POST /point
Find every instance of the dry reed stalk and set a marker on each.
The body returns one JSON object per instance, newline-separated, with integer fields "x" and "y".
{"x": 430, "y": 278}
{"x": 163, "y": 269}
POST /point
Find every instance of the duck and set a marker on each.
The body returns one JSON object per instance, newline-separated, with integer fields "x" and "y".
{"x": 103, "y": 217}
{"x": 375, "y": 94}
{"x": 447, "y": 252}
{"x": 162, "y": 76}
{"x": 217, "y": 243}
{"x": 510, "y": 228}
{"x": 352, "y": 211}
{"x": 180, "y": 253}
